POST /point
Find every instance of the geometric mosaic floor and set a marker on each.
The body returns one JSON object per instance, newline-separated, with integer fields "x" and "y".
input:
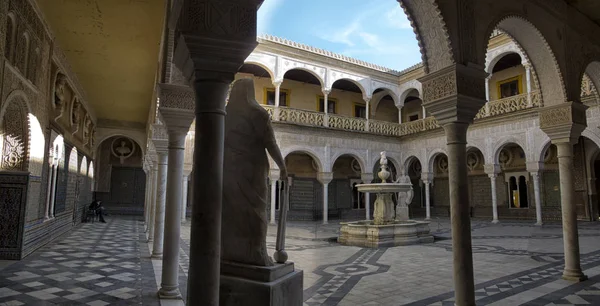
{"x": 515, "y": 263}
{"x": 97, "y": 264}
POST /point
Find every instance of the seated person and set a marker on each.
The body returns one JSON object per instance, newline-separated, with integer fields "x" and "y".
{"x": 97, "y": 206}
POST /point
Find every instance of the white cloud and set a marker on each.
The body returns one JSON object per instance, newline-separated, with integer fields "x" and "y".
{"x": 265, "y": 14}
{"x": 397, "y": 19}
{"x": 343, "y": 35}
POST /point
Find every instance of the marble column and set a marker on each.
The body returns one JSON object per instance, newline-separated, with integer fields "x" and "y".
{"x": 49, "y": 197}
{"x": 147, "y": 171}
{"x": 169, "y": 287}
{"x": 487, "y": 89}
{"x": 325, "y": 178}
{"x": 368, "y": 112}
{"x": 367, "y": 178}
{"x": 400, "y": 115}
{"x": 325, "y": 107}
{"x": 493, "y": 178}
{"x": 159, "y": 212}
{"x": 205, "y": 244}
{"x": 154, "y": 174}
{"x": 427, "y": 200}
{"x": 277, "y": 85}
{"x": 53, "y": 193}
{"x": 427, "y": 179}
{"x": 424, "y": 112}
{"x": 184, "y": 197}
{"x": 572, "y": 270}
{"x": 528, "y": 83}
{"x": 456, "y": 135}
{"x": 273, "y": 181}
{"x": 538, "y": 202}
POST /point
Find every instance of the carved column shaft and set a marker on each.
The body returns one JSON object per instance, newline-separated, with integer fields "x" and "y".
{"x": 153, "y": 198}
{"x": 325, "y": 178}
{"x": 564, "y": 123}
{"x": 184, "y": 198}
{"x": 572, "y": 269}
{"x": 454, "y": 95}
{"x": 205, "y": 245}
{"x": 427, "y": 200}
{"x": 159, "y": 213}
{"x": 536, "y": 193}
{"x": 169, "y": 287}
{"x": 493, "y": 179}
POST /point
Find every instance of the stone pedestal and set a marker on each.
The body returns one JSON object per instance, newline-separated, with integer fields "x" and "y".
{"x": 384, "y": 209}
{"x": 246, "y": 285}
{"x": 402, "y": 213}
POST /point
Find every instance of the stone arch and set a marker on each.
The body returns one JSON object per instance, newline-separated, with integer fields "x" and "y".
{"x": 37, "y": 145}
{"x": 121, "y": 134}
{"x": 14, "y": 132}
{"x": 388, "y": 91}
{"x": 408, "y": 161}
{"x": 505, "y": 142}
{"x": 541, "y": 56}
{"x": 364, "y": 91}
{"x": 354, "y": 155}
{"x": 313, "y": 73}
{"x": 493, "y": 56}
{"x": 377, "y": 97}
{"x": 265, "y": 66}
{"x": 432, "y": 156}
{"x": 309, "y": 152}
{"x": 408, "y": 87}
{"x": 11, "y": 32}
{"x": 431, "y": 32}
{"x": 593, "y": 73}
{"x": 58, "y": 150}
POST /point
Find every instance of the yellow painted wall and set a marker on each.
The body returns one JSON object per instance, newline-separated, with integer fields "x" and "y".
{"x": 304, "y": 96}
{"x": 300, "y": 165}
{"x": 386, "y": 111}
{"x": 410, "y": 108}
{"x": 506, "y": 74}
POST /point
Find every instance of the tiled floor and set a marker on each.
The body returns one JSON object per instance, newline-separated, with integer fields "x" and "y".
{"x": 97, "y": 264}
{"x": 516, "y": 263}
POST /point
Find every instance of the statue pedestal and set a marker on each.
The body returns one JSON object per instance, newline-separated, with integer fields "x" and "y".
{"x": 246, "y": 285}
{"x": 402, "y": 213}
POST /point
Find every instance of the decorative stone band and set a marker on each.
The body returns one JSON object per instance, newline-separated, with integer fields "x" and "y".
{"x": 159, "y": 132}
{"x": 176, "y": 96}
{"x": 455, "y": 93}
{"x": 563, "y": 122}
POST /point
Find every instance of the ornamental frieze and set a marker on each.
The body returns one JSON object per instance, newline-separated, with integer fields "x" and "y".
{"x": 555, "y": 116}
{"x": 440, "y": 87}
{"x": 177, "y": 96}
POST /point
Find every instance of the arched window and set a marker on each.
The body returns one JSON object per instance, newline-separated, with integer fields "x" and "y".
{"x": 34, "y": 62}
{"x": 11, "y": 29}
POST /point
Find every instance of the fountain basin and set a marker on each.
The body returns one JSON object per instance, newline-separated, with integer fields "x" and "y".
{"x": 384, "y": 187}
{"x": 393, "y": 233}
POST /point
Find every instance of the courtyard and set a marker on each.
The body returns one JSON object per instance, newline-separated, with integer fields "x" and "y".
{"x": 515, "y": 263}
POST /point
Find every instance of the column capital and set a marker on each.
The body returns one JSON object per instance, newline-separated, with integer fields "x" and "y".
{"x": 277, "y": 83}
{"x": 212, "y": 42}
{"x": 535, "y": 166}
{"x": 455, "y": 93}
{"x": 161, "y": 145}
{"x": 326, "y": 91}
{"x": 563, "y": 122}
{"x": 427, "y": 177}
{"x": 274, "y": 174}
{"x": 366, "y": 178}
{"x": 325, "y": 177}
{"x": 492, "y": 169}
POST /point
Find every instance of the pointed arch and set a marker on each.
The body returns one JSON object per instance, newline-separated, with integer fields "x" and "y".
{"x": 11, "y": 36}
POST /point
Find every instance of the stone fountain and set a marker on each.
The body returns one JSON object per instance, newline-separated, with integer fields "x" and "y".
{"x": 389, "y": 227}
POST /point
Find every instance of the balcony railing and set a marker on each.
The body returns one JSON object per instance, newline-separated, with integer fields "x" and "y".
{"x": 318, "y": 119}
{"x": 510, "y": 104}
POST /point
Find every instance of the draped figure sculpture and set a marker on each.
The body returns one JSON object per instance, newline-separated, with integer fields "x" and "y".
{"x": 248, "y": 133}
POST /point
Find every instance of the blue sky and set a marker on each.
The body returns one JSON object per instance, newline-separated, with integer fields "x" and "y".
{"x": 375, "y": 31}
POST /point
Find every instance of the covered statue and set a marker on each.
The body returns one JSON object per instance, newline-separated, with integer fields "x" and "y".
{"x": 248, "y": 137}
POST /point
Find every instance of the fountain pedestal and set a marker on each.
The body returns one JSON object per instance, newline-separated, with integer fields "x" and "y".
{"x": 388, "y": 228}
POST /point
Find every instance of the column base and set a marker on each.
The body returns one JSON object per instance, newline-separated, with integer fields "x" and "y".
{"x": 539, "y": 223}
{"x": 574, "y": 275}
{"x": 278, "y": 285}
{"x": 156, "y": 256}
{"x": 169, "y": 293}
{"x": 495, "y": 221}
